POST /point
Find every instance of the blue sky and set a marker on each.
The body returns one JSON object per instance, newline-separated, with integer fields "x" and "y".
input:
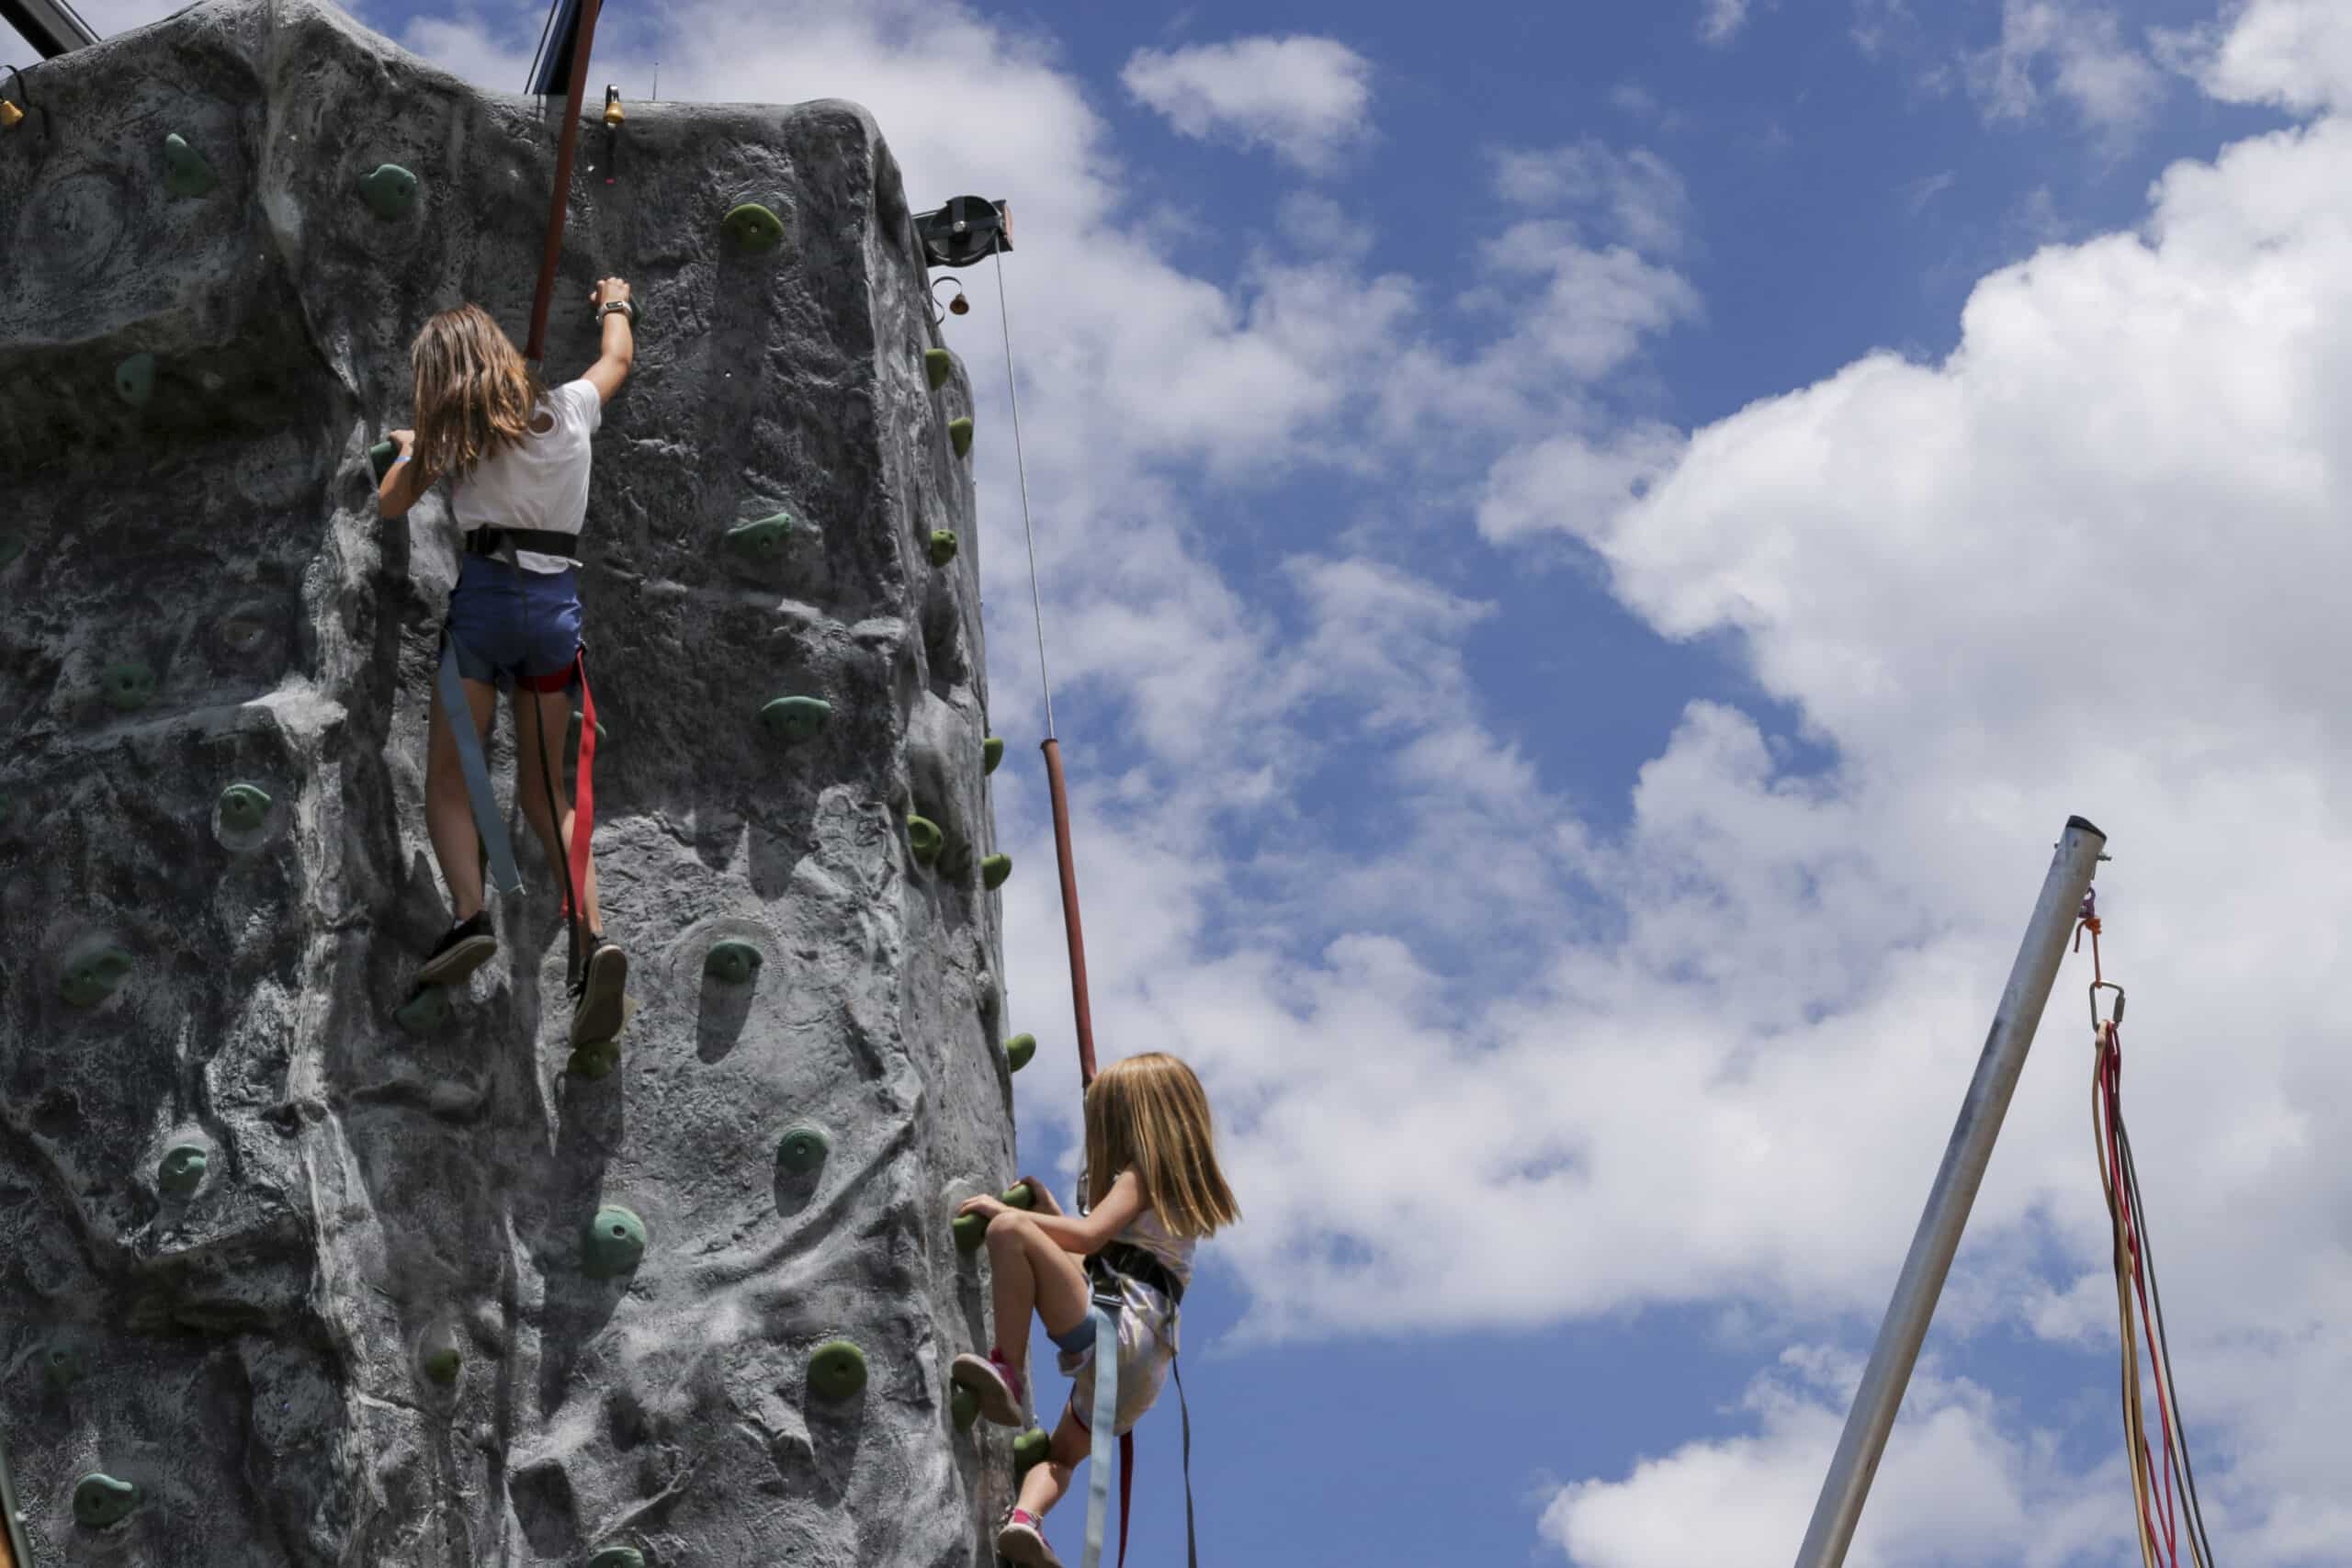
{"x": 1587, "y": 551}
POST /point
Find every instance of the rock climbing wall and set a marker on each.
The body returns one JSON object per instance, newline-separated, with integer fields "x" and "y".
{"x": 293, "y": 1274}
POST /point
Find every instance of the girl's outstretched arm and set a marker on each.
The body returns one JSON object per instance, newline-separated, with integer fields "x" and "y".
{"x": 619, "y": 342}
{"x": 401, "y": 489}
{"x": 1121, "y": 1204}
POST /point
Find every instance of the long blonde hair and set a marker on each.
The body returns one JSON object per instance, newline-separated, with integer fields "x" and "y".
{"x": 1149, "y": 1114}
{"x": 476, "y": 395}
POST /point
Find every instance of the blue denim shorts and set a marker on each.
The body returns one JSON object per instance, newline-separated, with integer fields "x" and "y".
{"x": 508, "y": 622}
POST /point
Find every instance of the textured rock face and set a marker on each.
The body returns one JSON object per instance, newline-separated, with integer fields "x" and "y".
{"x": 300, "y": 1286}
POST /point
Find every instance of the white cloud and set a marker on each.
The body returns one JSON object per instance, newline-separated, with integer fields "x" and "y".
{"x": 1636, "y": 197}
{"x": 1548, "y": 485}
{"x": 1719, "y": 20}
{"x": 2077, "y": 51}
{"x": 1308, "y": 99}
{"x": 2296, "y": 54}
{"x": 1956, "y": 1488}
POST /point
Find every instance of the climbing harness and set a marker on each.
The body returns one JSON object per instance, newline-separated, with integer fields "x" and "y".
{"x": 1108, "y": 1270}
{"x": 2156, "y": 1485}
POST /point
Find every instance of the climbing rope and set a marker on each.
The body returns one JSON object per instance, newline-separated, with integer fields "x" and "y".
{"x": 1056, "y": 789}
{"x": 2163, "y": 1490}
{"x": 1021, "y": 466}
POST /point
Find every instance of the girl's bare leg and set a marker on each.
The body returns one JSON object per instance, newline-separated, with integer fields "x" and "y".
{"x": 1027, "y": 1272}
{"x": 540, "y": 718}
{"x": 448, "y": 813}
{"x": 1044, "y": 1485}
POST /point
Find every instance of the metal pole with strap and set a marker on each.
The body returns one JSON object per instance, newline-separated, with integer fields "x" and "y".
{"x": 1843, "y": 1491}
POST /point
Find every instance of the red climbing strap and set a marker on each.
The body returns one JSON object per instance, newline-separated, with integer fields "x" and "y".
{"x": 583, "y": 794}
{"x": 584, "y": 809}
{"x": 1126, "y": 1488}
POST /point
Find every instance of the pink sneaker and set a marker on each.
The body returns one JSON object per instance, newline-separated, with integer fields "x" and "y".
{"x": 995, "y": 1382}
{"x": 1022, "y": 1540}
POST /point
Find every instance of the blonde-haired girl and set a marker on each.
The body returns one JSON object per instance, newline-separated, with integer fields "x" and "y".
{"x": 1153, "y": 1192}
{"x": 517, "y": 454}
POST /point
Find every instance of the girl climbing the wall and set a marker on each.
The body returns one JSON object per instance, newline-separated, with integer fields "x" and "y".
{"x": 516, "y": 453}
{"x": 1153, "y": 1191}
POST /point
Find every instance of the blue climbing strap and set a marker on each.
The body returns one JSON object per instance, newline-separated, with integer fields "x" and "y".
{"x": 1105, "y": 1312}
{"x": 503, "y": 877}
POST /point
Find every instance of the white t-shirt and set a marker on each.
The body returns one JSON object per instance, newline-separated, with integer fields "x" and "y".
{"x": 542, "y": 482}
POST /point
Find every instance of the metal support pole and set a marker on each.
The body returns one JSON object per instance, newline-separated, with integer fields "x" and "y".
{"x": 1848, "y": 1484}
{"x": 51, "y": 26}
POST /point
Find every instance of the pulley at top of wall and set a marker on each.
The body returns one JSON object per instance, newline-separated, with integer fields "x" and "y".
{"x": 968, "y": 229}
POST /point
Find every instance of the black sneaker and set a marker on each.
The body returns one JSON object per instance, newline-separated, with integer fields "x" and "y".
{"x": 596, "y": 1006}
{"x": 467, "y": 948}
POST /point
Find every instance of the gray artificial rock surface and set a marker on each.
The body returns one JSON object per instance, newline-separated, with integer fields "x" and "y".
{"x": 323, "y": 1290}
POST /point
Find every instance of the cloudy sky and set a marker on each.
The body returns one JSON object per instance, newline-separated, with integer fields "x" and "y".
{"x": 1587, "y": 557}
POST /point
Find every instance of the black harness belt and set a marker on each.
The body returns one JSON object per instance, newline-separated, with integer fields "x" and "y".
{"x": 488, "y": 541}
{"x": 1125, "y": 1258}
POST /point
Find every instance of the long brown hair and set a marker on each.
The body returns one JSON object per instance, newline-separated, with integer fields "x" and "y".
{"x": 1149, "y": 1114}
{"x": 476, "y": 395}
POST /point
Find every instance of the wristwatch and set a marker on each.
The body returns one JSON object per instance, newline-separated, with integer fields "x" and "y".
{"x": 609, "y": 306}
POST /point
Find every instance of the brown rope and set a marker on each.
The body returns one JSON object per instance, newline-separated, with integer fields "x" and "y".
{"x": 561, "y": 199}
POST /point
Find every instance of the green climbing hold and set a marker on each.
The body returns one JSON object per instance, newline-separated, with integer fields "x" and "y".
{"x": 802, "y": 1150}
{"x": 943, "y": 545}
{"x": 991, "y": 753}
{"x": 390, "y": 189}
{"x": 752, "y": 226}
{"x": 615, "y": 1241}
{"x": 426, "y": 1011}
{"x": 243, "y": 808}
{"x": 1029, "y": 1450}
{"x": 129, "y": 684}
{"x": 924, "y": 837}
{"x": 936, "y": 364}
{"x": 761, "y": 538}
{"x": 101, "y": 1500}
{"x": 837, "y": 1371}
{"x": 796, "y": 718}
{"x": 994, "y": 870}
{"x": 732, "y": 961}
{"x": 182, "y": 1170}
{"x": 970, "y": 1230}
{"x": 1018, "y": 1195}
{"x": 617, "y": 1557}
{"x": 959, "y": 435}
{"x": 380, "y": 458}
{"x": 1018, "y": 1050}
{"x": 964, "y": 1406}
{"x": 597, "y": 1059}
{"x": 61, "y": 1366}
{"x": 442, "y": 1363}
{"x": 134, "y": 380}
{"x": 185, "y": 171}
{"x": 93, "y": 978}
